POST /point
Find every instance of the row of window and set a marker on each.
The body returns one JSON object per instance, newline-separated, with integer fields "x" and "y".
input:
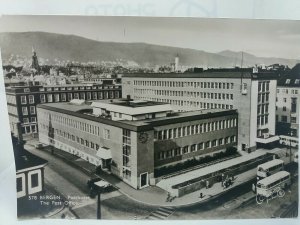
{"x": 73, "y": 138}
{"x": 263, "y": 98}
{"x": 263, "y": 86}
{"x": 82, "y": 126}
{"x": 206, "y": 95}
{"x": 82, "y": 95}
{"x": 195, "y": 147}
{"x": 216, "y": 85}
{"x": 288, "y": 81}
{"x": 199, "y": 105}
{"x": 24, "y": 99}
{"x": 100, "y": 87}
{"x": 194, "y": 129}
{"x": 262, "y": 120}
{"x": 26, "y": 120}
{"x": 285, "y": 119}
{"x": 286, "y": 91}
{"x": 126, "y": 150}
{"x": 25, "y": 110}
{"x": 263, "y": 109}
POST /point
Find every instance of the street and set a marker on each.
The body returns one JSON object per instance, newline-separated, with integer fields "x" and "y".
{"x": 70, "y": 181}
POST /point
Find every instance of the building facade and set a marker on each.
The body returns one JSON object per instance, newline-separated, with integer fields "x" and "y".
{"x": 149, "y": 135}
{"x": 22, "y": 100}
{"x": 29, "y": 170}
{"x": 253, "y": 95}
{"x": 287, "y": 103}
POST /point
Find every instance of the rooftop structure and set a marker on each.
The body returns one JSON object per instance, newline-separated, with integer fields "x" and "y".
{"x": 133, "y": 146}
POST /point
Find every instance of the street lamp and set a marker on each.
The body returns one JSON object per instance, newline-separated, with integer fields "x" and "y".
{"x": 98, "y": 187}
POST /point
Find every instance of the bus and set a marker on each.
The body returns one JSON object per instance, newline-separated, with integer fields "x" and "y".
{"x": 288, "y": 140}
{"x": 269, "y": 168}
{"x": 273, "y": 184}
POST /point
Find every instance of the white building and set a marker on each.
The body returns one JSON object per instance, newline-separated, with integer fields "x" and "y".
{"x": 253, "y": 95}
{"x": 287, "y": 103}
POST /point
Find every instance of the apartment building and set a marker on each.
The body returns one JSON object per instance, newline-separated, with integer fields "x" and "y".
{"x": 252, "y": 94}
{"x": 287, "y": 103}
{"x": 22, "y": 100}
{"x": 133, "y": 138}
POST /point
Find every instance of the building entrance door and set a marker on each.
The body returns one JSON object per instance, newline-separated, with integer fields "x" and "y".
{"x": 144, "y": 179}
{"x": 243, "y": 147}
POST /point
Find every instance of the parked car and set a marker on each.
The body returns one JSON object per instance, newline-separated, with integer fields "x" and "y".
{"x": 92, "y": 180}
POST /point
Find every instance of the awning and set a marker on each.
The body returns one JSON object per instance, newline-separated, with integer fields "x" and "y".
{"x": 267, "y": 140}
{"x": 104, "y": 153}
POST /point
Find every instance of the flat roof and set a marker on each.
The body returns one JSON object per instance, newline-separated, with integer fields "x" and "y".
{"x": 133, "y": 107}
{"x": 271, "y": 178}
{"x": 271, "y": 163}
{"x": 135, "y": 125}
{"x": 204, "y": 74}
{"x": 68, "y": 106}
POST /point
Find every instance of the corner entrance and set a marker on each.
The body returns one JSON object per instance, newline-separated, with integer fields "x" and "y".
{"x": 144, "y": 180}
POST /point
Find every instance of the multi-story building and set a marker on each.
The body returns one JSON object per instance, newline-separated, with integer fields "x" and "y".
{"x": 252, "y": 94}
{"x": 22, "y": 100}
{"x": 133, "y": 138}
{"x": 288, "y": 102}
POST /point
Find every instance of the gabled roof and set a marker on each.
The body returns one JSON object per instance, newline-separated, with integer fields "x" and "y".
{"x": 292, "y": 78}
{"x": 25, "y": 160}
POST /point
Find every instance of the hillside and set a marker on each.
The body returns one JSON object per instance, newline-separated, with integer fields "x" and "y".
{"x": 74, "y": 48}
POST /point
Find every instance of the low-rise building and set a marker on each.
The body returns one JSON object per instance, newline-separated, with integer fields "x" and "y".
{"x": 133, "y": 138}
{"x": 29, "y": 171}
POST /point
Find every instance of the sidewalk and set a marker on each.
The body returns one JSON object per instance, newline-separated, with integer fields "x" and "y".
{"x": 153, "y": 195}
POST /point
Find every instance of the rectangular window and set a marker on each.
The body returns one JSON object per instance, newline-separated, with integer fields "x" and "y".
{"x": 19, "y": 184}
{"x": 207, "y": 144}
{"x": 34, "y": 180}
{"x": 23, "y": 100}
{"x": 49, "y": 96}
{"x": 63, "y": 97}
{"x": 24, "y": 111}
{"x": 43, "y": 98}
{"x": 56, "y": 97}
{"x": 70, "y": 96}
{"x": 32, "y": 109}
{"x": 214, "y": 143}
{"x": 31, "y": 99}
{"x": 185, "y": 149}
{"x": 193, "y": 148}
{"x": 106, "y": 134}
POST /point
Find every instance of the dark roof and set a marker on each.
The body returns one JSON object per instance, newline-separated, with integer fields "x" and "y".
{"x": 23, "y": 158}
{"x": 292, "y": 78}
{"x": 135, "y": 104}
{"x": 236, "y": 74}
{"x": 144, "y": 125}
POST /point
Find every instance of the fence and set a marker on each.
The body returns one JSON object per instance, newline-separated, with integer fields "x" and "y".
{"x": 200, "y": 182}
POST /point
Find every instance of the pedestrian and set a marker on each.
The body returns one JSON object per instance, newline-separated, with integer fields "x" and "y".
{"x": 201, "y": 195}
{"x": 207, "y": 184}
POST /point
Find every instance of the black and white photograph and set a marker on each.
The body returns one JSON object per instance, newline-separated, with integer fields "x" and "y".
{"x": 153, "y": 118}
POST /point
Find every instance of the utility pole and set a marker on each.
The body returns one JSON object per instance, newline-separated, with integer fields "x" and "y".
{"x": 97, "y": 188}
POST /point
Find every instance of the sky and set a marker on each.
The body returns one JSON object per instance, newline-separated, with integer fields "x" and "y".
{"x": 265, "y": 38}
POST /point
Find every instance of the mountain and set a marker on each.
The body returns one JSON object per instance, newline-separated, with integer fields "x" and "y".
{"x": 74, "y": 48}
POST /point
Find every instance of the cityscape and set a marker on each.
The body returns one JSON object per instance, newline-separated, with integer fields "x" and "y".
{"x": 138, "y": 130}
